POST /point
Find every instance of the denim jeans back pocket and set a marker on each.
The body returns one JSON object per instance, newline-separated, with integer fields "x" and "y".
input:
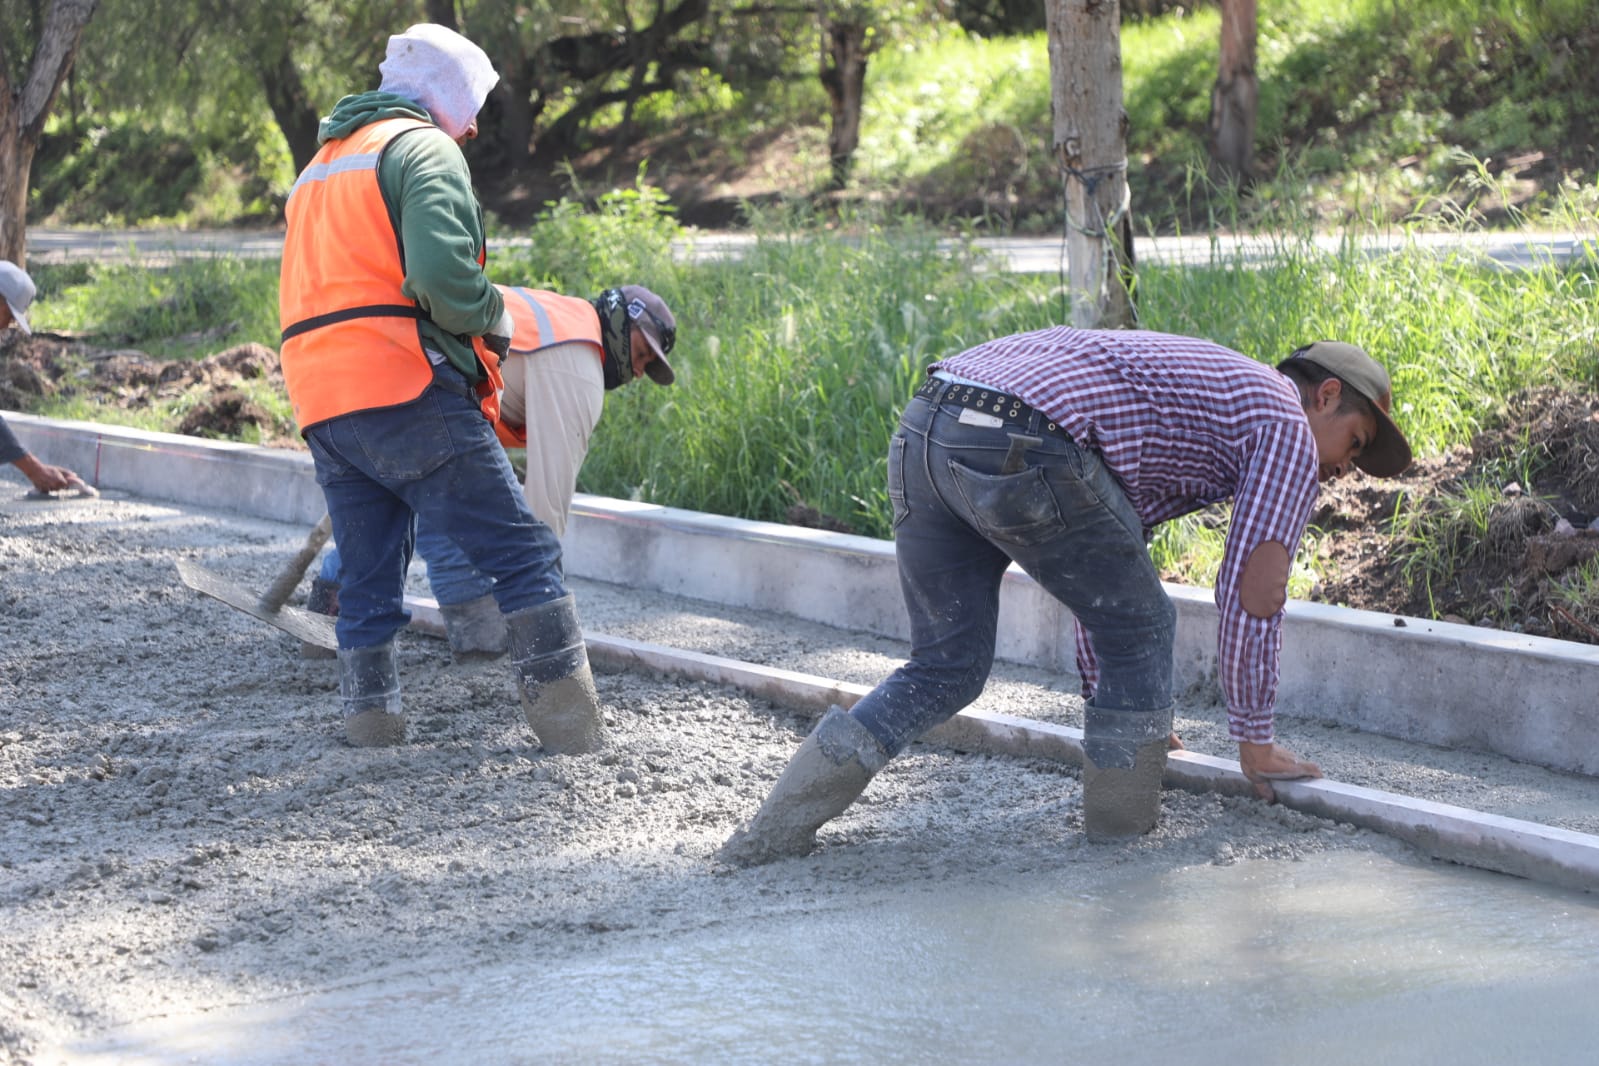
{"x": 1015, "y": 508}
{"x": 410, "y": 442}
{"x": 896, "y": 478}
{"x": 329, "y": 464}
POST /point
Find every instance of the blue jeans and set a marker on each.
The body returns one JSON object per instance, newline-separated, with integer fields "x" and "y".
{"x": 960, "y": 519}
{"x": 435, "y": 459}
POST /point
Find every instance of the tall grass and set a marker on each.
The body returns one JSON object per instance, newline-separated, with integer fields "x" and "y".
{"x": 795, "y": 359}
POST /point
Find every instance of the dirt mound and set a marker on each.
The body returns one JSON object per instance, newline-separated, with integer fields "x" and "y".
{"x": 1462, "y": 538}
{"x": 51, "y": 367}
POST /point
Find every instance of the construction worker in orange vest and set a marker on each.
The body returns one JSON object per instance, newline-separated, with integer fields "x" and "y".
{"x": 566, "y": 354}
{"x": 392, "y": 336}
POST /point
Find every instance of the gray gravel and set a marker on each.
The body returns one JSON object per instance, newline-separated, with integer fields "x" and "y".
{"x": 182, "y": 827}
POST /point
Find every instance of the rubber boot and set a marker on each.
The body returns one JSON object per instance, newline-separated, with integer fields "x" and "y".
{"x": 828, "y": 772}
{"x": 476, "y": 629}
{"x": 552, "y": 671}
{"x": 322, "y": 599}
{"x": 1124, "y": 758}
{"x": 369, "y": 689}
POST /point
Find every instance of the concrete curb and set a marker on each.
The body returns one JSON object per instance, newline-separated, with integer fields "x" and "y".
{"x": 1456, "y": 686}
{"x": 1526, "y": 698}
{"x": 1456, "y": 834}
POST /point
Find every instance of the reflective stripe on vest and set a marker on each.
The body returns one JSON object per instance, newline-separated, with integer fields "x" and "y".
{"x": 350, "y": 334}
{"x": 544, "y": 319}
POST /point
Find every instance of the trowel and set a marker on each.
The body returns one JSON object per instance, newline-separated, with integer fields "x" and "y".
{"x": 271, "y": 606}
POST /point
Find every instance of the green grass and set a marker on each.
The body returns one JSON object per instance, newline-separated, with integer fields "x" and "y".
{"x": 1366, "y": 107}
{"x": 794, "y": 361}
{"x": 191, "y": 309}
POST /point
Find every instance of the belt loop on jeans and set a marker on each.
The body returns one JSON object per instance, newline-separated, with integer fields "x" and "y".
{"x": 1001, "y": 405}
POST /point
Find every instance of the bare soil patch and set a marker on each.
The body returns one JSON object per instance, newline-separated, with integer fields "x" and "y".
{"x": 41, "y": 367}
{"x": 1520, "y": 559}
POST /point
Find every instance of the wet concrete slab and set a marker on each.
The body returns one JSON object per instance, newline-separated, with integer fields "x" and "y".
{"x": 1338, "y": 958}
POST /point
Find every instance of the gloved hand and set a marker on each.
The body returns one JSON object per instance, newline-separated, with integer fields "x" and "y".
{"x": 498, "y": 339}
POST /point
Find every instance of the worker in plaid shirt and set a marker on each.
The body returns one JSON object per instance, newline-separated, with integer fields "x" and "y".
{"x": 1060, "y": 450}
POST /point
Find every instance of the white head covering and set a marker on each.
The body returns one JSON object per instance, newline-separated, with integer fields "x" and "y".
{"x": 16, "y": 288}
{"x": 440, "y": 70}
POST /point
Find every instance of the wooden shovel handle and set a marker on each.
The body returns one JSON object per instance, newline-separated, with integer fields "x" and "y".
{"x": 278, "y": 593}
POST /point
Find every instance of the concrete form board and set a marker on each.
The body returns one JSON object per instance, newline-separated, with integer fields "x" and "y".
{"x": 1527, "y": 698}
{"x": 1455, "y": 834}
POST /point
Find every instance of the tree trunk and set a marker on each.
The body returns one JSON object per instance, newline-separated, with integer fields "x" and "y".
{"x": 843, "y": 74}
{"x": 442, "y": 12}
{"x": 1234, "y": 101}
{"x": 1090, "y": 137}
{"x": 22, "y": 115}
{"x": 291, "y": 106}
{"x": 512, "y": 128}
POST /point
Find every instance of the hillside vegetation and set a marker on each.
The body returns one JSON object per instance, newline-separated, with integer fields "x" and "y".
{"x": 795, "y": 360}
{"x": 1368, "y": 108}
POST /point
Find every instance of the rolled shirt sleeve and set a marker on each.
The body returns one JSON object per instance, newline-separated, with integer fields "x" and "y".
{"x": 1273, "y": 503}
{"x": 11, "y": 448}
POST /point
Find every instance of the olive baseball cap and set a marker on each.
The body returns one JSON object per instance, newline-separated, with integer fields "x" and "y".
{"x": 654, "y": 319}
{"x": 1388, "y": 453}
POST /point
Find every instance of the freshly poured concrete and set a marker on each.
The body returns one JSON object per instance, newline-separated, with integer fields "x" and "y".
{"x": 187, "y": 842}
{"x": 1339, "y": 958}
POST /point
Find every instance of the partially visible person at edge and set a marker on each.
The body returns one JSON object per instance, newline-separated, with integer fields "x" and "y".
{"x": 392, "y": 336}
{"x": 16, "y": 294}
{"x": 1061, "y": 450}
{"x": 566, "y": 354}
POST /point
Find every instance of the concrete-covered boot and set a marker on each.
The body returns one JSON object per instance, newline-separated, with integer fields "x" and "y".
{"x": 369, "y": 689}
{"x": 1124, "y": 758}
{"x": 322, "y": 599}
{"x": 552, "y": 671}
{"x": 824, "y": 777}
{"x": 476, "y": 629}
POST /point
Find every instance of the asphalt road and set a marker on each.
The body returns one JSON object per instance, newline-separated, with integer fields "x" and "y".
{"x": 1033, "y": 255}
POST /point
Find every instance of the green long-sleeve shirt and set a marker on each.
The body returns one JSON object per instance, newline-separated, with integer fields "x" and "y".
{"x": 428, "y": 188}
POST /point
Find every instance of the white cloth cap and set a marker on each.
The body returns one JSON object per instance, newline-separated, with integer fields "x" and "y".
{"x": 440, "y": 70}
{"x": 16, "y": 288}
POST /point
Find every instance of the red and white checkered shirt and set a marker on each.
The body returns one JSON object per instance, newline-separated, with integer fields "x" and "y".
{"x": 1181, "y": 423}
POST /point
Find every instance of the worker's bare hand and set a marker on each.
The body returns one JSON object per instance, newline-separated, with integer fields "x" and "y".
{"x": 1174, "y": 742}
{"x": 1264, "y": 763}
{"x": 47, "y": 478}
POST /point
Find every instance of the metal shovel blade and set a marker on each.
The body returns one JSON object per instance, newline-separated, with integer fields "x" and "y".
{"x": 306, "y": 625}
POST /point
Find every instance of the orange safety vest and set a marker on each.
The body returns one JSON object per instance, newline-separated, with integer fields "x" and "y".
{"x": 544, "y": 319}
{"x": 351, "y": 340}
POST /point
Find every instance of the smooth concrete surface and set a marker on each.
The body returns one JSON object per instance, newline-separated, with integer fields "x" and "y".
{"x": 1341, "y": 959}
{"x": 1528, "y": 698}
{"x": 1444, "y": 831}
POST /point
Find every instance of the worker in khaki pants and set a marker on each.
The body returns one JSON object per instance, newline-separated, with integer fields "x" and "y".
{"x": 566, "y": 353}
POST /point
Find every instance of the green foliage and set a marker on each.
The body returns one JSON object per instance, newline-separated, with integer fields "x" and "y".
{"x": 794, "y": 360}
{"x": 123, "y": 174}
{"x": 792, "y": 364}
{"x": 625, "y": 239}
{"x": 190, "y": 309}
{"x": 1369, "y": 102}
